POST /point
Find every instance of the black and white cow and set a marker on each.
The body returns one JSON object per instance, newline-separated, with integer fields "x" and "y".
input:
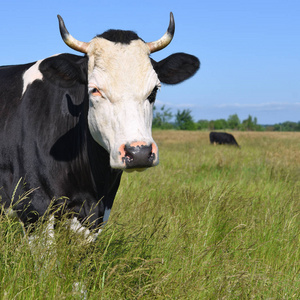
{"x": 222, "y": 138}
{"x": 69, "y": 125}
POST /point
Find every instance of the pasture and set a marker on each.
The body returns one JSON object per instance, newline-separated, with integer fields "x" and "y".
{"x": 210, "y": 222}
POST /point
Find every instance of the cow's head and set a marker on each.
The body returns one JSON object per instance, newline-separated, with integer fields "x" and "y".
{"x": 122, "y": 84}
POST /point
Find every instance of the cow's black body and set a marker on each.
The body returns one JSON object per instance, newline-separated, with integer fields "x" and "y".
{"x": 222, "y": 138}
{"x": 45, "y": 140}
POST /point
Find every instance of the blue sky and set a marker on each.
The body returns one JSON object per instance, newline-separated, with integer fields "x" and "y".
{"x": 249, "y": 50}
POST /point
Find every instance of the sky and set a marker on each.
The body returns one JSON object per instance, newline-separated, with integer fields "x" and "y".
{"x": 249, "y": 50}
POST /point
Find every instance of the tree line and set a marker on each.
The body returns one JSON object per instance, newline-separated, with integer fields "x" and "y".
{"x": 163, "y": 118}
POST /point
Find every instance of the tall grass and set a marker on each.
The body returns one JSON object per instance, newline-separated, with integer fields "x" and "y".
{"x": 210, "y": 222}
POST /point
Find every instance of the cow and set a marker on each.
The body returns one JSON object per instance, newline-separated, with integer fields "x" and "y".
{"x": 71, "y": 124}
{"x": 222, "y": 138}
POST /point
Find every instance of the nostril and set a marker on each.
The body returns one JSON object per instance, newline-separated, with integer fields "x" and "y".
{"x": 128, "y": 155}
{"x": 151, "y": 155}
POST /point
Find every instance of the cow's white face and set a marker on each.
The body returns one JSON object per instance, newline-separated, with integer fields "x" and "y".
{"x": 120, "y": 80}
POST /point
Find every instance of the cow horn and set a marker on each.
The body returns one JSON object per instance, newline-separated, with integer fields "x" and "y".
{"x": 166, "y": 39}
{"x": 69, "y": 40}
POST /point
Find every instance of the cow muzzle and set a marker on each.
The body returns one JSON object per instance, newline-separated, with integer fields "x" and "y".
{"x": 138, "y": 156}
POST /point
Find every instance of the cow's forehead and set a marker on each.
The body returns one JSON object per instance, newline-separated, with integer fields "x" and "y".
{"x": 108, "y": 54}
{"x": 117, "y": 63}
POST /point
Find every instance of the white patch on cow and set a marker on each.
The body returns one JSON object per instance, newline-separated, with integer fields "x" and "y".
{"x": 89, "y": 236}
{"x": 80, "y": 288}
{"x": 47, "y": 235}
{"x": 42, "y": 244}
{"x": 120, "y": 113}
{"x": 12, "y": 214}
{"x": 78, "y": 228}
{"x": 32, "y": 74}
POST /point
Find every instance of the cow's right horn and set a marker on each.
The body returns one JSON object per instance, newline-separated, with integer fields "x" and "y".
{"x": 166, "y": 39}
{"x": 69, "y": 40}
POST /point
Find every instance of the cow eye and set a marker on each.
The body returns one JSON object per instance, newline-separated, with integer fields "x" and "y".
{"x": 152, "y": 96}
{"x": 95, "y": 92}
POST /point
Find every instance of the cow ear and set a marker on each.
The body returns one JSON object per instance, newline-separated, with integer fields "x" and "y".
{"x": 176, "y": 68}
{"x": 65, "y": 69}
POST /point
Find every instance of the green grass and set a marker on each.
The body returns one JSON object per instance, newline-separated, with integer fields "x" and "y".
{"x": 210, "y": 222}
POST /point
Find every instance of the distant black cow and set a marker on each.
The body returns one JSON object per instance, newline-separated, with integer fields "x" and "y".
{"x": 222, "y": 138}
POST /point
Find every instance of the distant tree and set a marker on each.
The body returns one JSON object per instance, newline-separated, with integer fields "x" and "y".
{"x": 202, "y": 124}
{"x": 233, "y": 121}
{"x": 184, "y": 120}
{"x": 220, "y": 124}
{"x": 248, "y": 124}
{"x": 255, "y": 121}
{"x": 162, "y": 118}
{"x": 258, "y": 127}
{"x": 287, "y": 126}
{"x": 211, "y": 125}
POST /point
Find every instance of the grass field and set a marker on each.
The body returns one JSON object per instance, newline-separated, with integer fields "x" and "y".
{"x": 210, "y": 222}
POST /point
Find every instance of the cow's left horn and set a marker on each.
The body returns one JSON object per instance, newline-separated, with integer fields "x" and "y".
{"x": 69, "y": 40}
{"x": 166, "y": 39}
